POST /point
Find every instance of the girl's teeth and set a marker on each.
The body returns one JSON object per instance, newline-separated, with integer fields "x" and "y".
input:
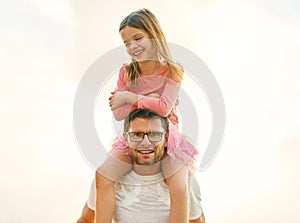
{"x": 137, "y": 53}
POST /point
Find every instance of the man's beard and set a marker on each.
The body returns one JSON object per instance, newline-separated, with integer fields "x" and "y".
{"x": 146, "y": 162}
{"x": 157, "y": 157}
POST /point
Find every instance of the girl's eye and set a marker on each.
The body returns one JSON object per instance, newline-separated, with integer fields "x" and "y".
{"x": 137, "y": 39}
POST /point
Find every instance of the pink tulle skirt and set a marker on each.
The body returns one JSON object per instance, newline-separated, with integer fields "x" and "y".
{"x": 179, "y": 148}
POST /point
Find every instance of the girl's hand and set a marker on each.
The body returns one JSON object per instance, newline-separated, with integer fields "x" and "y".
{"x": 154, "y": 95}
{"x": 117, "y": 99}
{"x": 120, "y": 98}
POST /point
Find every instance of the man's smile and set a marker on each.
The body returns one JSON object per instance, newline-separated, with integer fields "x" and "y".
{"x": 145, "y": 151}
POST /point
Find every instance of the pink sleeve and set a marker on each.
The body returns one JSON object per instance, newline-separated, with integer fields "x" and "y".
{"x": 123, "y": 111}
{"x": 164, "y": 104}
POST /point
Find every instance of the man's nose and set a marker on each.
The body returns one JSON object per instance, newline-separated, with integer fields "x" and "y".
{"x": 146, "y": 140}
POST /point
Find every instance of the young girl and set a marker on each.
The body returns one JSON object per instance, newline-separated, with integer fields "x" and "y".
{"x": 151, "y": 81}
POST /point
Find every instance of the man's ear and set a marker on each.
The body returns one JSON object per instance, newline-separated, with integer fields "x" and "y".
{"x": 166, "y": 141}
{"x": 125, "y": 138}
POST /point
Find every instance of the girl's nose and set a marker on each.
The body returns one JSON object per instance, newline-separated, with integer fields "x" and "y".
{"x": 133, "y": 45}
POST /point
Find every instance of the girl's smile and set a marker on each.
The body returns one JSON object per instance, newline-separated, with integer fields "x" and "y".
{"x": 138, "y": 44}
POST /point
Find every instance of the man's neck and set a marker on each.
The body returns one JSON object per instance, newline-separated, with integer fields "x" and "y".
{"x": 146, "y": 170}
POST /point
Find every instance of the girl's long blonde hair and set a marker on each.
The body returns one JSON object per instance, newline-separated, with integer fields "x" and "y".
{"x": 145, "y": 20}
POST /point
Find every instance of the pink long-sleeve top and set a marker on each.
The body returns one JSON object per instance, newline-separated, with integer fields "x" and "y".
{"x": 148, "y": 84}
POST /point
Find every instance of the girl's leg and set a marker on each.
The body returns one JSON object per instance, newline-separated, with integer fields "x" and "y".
{"x": 113, "y": 168}
{"x": 177, "y": 181}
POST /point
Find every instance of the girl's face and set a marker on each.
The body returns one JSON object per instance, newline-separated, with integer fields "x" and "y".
{"x": 138, "y": 44}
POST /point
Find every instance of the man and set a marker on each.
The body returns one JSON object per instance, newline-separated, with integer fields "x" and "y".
{"x": 142, "y": 195}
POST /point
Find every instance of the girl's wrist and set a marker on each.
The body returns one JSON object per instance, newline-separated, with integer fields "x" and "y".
{"x": 132, "y": 99}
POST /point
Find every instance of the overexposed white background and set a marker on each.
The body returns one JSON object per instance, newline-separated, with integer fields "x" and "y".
{"x": 252, "y": 47}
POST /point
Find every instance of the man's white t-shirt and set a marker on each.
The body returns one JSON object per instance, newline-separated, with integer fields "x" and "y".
{"x": 146, "y": 199}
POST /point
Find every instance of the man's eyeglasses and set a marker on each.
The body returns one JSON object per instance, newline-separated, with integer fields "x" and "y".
{"x": 139, "y": 136}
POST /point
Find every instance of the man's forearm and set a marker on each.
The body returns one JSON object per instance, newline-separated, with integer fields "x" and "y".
{"x": 201, "y": 219}
{"x": 87, "y": 215}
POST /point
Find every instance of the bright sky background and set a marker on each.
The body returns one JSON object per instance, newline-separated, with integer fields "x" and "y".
{"x": 252, "y": 47}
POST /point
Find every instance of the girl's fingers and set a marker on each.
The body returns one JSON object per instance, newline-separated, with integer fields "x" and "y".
{"x": 111, "y": 97}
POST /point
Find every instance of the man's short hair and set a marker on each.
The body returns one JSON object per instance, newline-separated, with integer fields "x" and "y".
{"x": 147, "y": 114}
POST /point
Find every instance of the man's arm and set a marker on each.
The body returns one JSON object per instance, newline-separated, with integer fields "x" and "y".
{"x": 87, "y": 215}
{"x": 201, "y": 219}
{"x": 195, "y": 208}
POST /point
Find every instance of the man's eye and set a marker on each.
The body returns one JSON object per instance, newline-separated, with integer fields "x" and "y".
{"x": 138, "y": 38}
{"x": 155, "y": 134}
{"x": 138, "y": 134}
